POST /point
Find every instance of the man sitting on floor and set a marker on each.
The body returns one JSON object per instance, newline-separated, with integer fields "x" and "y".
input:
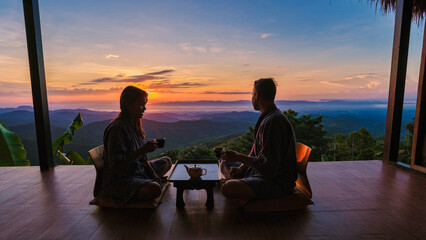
{"x": 269, "y": 170}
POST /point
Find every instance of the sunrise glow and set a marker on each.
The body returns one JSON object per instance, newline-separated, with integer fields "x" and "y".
{"x": 196, "y": 50}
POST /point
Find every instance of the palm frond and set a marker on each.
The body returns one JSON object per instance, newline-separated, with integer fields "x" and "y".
{"x": 419, "y": 8}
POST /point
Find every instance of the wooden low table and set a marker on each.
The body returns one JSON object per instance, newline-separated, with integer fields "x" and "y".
{"x": 181, "y": 180}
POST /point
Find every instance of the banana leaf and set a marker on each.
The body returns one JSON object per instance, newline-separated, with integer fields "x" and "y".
{"x": 89, "y": 161}
{"x": 63, "y": 158}
{"x": 66, "y": 137}
{"x": 71, "y": 158}
{"x": 75, "y": 158}
{"x": 12, "y": 152}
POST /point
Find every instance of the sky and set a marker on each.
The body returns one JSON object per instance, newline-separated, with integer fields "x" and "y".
{"x": 203, "y": 50}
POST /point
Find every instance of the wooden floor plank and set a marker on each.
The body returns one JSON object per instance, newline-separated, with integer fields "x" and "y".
{"x": 353, "y": 200}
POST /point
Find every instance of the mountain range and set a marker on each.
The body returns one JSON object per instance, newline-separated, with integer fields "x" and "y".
{"x": 183, "y": 128}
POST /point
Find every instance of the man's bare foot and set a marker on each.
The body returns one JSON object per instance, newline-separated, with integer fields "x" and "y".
{"x": 237, "y": 202}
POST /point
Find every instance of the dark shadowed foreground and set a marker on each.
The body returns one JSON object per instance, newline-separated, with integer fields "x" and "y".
{"x": 353, "y": 200}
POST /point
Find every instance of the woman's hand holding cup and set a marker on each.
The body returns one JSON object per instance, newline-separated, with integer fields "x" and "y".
{"x": 150, "y": 146}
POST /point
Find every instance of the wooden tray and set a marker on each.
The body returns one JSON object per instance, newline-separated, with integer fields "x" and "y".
{"x": 179, "y": 173}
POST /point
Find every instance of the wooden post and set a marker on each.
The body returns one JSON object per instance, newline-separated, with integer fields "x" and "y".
{"x": 397, "y": 79}
{"x": 38, "y": 83}
{"x": 419, "y": 121}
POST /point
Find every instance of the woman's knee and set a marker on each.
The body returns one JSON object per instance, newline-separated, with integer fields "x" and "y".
{"x": 150, "y": 190}
{"x": 168, "y": 162}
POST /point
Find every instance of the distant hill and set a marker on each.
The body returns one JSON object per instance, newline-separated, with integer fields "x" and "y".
{"x": 178, "y": 134}
{"x": 199, "y": 125}
{"x": 58, "y": 118}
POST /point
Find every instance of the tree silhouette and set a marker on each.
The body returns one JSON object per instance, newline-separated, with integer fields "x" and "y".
{"x": 309, "y": 131}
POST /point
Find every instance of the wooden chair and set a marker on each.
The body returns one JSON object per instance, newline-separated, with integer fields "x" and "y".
{"x": 299, "y": 199}
{"x": 97, "y": 157}
{"x": 302, "y": 155}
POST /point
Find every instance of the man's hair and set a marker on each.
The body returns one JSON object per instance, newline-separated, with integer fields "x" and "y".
{"x": 266, "y": 87}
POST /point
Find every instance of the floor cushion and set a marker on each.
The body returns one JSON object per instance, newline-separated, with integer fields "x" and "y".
{"x": 107, "y": 202}
{"x": 295, "y": 201}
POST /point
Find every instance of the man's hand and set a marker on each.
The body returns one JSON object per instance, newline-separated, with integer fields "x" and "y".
{"x": 237, "y": 172}
{"x": 233, "y": 156}
{"x": 229, "y": 155}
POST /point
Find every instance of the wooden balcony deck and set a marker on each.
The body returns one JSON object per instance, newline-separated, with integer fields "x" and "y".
{"x": 353, "y": 200}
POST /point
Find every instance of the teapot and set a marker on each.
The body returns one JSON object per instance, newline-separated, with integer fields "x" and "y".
{"x": 195, "y": 171}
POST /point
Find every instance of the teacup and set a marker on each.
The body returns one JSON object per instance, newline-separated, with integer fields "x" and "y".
{"x": 160, "y": 142}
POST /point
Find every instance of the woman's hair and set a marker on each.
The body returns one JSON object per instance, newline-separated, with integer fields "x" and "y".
{"x": 130, "y": 95}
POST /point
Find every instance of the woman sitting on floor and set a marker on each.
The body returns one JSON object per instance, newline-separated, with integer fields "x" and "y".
{"x": 128, "y": 175}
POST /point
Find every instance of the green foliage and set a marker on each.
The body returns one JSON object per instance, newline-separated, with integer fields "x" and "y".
{"x": 366, "y": 154}
{"x": 324, "y": 158}
{"x": 71, "y": 157}
{"x": 356, "y": 146}
{"x": 172, "y": 154}
{"x": 12, "y": 152}
{"x": 66, "y": 137}
{"x": 309, "y": 131}
{"x": 197, "y": 152}
{"x": 378, "y": 148}
{"x": 191, "y": 152}
{"x": 242, "y": 144}
{"x": 404, "y": 154}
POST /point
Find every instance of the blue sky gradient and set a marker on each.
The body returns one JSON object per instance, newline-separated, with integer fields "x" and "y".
{"x": 208, "y": 50}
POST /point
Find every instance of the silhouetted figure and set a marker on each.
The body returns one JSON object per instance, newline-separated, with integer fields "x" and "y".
{"x": 127, "y": 172}
{"x": 270, "y": 169}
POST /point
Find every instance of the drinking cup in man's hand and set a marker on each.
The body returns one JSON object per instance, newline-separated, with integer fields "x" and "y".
{"x": 217, "y": 151}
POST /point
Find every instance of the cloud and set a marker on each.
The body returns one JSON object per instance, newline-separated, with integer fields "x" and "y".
{"x": 109, "y": 56}
{"x": 332, "y": 83}
{"x": 103, "y": 46}
{"x": 5, "y": 59}
{"x": 216, "y": 49}
{"x": 12, "y": 33}
{"x": 185, "y": 46}
{"x": 230, "y": 93}
{"x": 106, "y": 79}
{"x": 166, "y": 91}
{"x": 121, "y": 77}
{"x": 362, "y": 76}
{"x": 161, "y": 72}
{"x": 265, "y": 35}
{"x": 188, "y": 47}
{"x": 307, "y": 80}
{"x": 371, "y": 84}
{"x": 167, "y": 84}
{"x": 15, "y": 93}
{"x": 200, "y": 49}
{"x": 81, "y": 91}
{"x": 363, "y": 81}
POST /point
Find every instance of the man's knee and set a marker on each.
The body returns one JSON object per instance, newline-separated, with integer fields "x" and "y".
{"x": 231, "y": 189}
{"x": 238, "y": 190}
